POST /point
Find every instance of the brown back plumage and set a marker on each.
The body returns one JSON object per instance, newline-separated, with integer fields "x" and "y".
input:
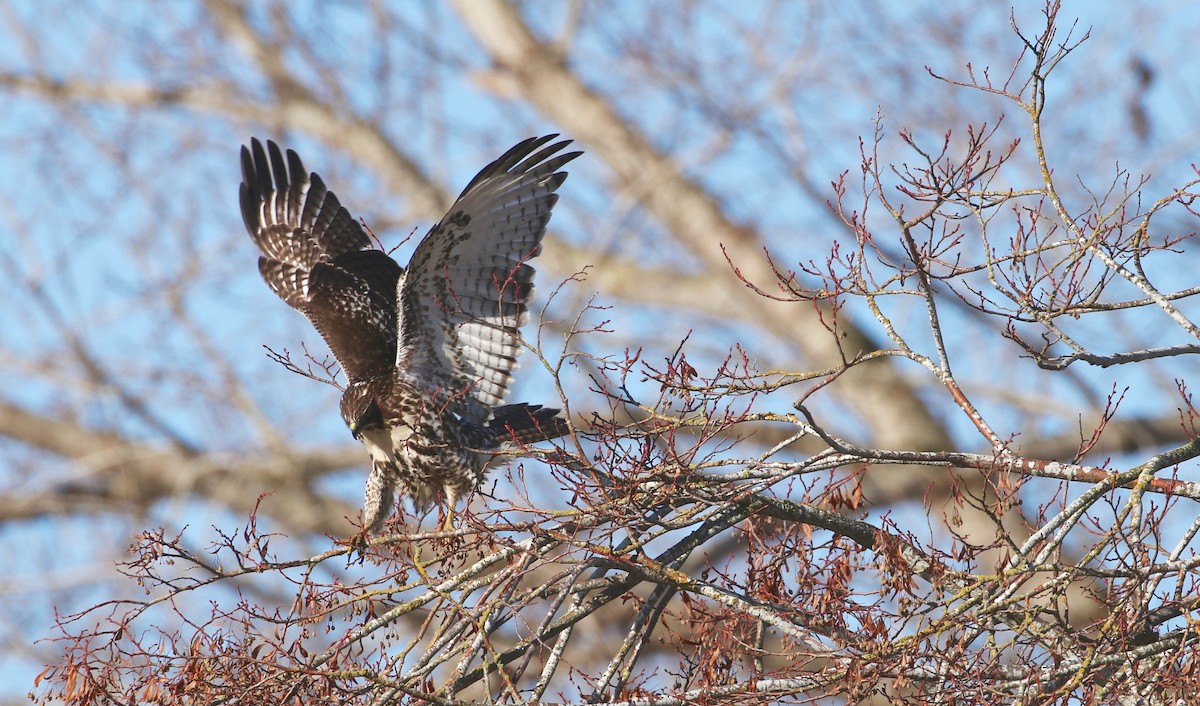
{"x": 318, "y": 259}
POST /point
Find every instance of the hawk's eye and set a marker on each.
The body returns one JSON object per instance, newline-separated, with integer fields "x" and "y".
{"x": 371, "y": 418}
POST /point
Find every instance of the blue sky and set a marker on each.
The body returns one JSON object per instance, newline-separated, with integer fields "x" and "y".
{"x": 102, "y": 247}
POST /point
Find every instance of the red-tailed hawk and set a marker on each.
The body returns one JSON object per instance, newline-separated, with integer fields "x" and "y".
{"x": 429, "y": 351}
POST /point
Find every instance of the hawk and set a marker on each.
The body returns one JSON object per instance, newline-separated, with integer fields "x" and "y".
{"x": 428, "y": 351}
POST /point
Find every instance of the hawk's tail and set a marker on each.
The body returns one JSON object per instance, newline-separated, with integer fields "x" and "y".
{"x": 526, "y": 423}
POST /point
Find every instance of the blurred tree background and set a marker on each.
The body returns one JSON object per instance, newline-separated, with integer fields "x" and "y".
{"x": 138, "y": 393}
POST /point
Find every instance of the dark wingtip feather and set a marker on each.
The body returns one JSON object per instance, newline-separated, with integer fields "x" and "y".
{"x": 517, "y": 158}
{"x": 296, "y": 166}
{"x": 537, "y": 158}
{"x": 261, "y": 168}
{"x": 527, "y": 423}
{"x": 249, "y": 203}
{"x": 255, "y": 184}
{"x": 247, "y": 165}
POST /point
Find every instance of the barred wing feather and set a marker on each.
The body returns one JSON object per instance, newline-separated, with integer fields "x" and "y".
{"x": 318, "y": 258}
{"x": 466, "y": 290}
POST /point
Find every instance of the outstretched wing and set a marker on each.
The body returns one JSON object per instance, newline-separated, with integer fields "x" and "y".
{"x": 465, "y": 292}
{"x": 319, "y": 259}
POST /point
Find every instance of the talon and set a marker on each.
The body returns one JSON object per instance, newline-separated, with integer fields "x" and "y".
{"x": 356, "y": 543}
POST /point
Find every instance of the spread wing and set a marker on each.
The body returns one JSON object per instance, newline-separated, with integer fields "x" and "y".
{"x": 318, "y": 259}
{"x": 465, "y": 292}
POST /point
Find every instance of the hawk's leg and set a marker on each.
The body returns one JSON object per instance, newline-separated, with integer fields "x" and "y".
{"x": 451, "y": 502}
{"x": 380, "y": 497}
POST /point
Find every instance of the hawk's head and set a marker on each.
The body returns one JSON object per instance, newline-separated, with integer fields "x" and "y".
{"x": 360, "y": 411}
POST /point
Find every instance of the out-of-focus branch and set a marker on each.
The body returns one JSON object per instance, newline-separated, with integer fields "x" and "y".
{"x": 119, "y": 474}
{"x": 296, "y": 107}
{"x": 897, "y": 417}
{"x": 637, "y": 283}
